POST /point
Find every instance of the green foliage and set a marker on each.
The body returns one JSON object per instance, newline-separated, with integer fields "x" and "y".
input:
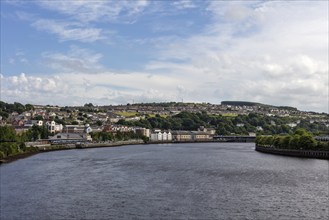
{"x": 38, "y": 117}
{"x": 7, "y": 134}
{"x": 301, "y": 139}
{"x": 102, "y": 136}
{"x": 90, "y": 105}
{"x": 224, "y": 125}
{"x": 12, "y": 144}
{"x": 16, "y": 107}
{"x": 119, "y": 136}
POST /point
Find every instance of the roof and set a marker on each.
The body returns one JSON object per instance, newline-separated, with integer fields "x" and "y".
{"x": 65, "y": 136}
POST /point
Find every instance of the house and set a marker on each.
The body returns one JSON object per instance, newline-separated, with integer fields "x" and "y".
{"x": 77, "y": 128}
{"x": 53, "y": 127}
{"x": 210, "y": 131}
{"x": 30, "y": 123}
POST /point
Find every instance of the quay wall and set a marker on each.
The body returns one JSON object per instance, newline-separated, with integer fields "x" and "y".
{"x": 294, "y": 153}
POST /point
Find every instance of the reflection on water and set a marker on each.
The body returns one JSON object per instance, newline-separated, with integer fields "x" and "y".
{"x": 169, "y": 181}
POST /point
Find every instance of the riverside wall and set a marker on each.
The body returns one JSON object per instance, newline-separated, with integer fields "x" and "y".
{"x": 294, "y": 153}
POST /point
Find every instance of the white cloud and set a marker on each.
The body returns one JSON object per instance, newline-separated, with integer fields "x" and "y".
{"x": 73, "y": 89}
{"x": 83, "y": 17}
{"x": 94, "y": 11}
{"x": 69, "y": 30}
{"x": 76, "y": 60}
{"x": 271, "y": 52}
{"x": 184, "y": 4}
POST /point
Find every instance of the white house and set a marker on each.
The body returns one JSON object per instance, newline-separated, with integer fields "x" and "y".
{"x": 53, "y": 127}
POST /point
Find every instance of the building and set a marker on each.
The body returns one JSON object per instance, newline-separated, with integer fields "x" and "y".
{"x": 30, "y": 123}
{"x": 70, "y": 138}
{"x": 77, "y": 128}
{"x": 53, "y": 127}
{"x": 161, "y": 136}
{"x": 182, "y": 136}
{"x": 143, "y": 131}
{"x": 200, "y": 135}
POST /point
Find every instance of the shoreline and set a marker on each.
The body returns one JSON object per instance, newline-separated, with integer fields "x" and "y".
{"x": 98, "y": 145}
{"x": 51, "y": 148}
{"x": 283, "y": 152}
{"x": 312, "y": 154}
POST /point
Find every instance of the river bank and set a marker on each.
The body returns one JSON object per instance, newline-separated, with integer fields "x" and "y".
{"x": 294, "y": 153}
{"x": 48, "y": 148}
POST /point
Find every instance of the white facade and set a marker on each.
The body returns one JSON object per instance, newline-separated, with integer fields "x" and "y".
{"x": 169, "y": 136}
{"x": 53, "y": 127}
{"x": 164, "y": 136}
{"x": 154, "y": 137}
{"x": 159, "y": 136}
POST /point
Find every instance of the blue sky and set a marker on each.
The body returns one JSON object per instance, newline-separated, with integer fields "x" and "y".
{"x": 117, "y": 52}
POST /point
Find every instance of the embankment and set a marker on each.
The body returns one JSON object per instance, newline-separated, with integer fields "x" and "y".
{"x": 294, "y": 153}
{"x": 48, "y": 148}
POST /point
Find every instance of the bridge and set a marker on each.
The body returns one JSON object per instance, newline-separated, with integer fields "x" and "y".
{"x": 221, "y": 138}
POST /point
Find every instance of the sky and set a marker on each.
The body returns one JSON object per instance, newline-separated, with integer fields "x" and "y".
{"x": 74, "y": 52}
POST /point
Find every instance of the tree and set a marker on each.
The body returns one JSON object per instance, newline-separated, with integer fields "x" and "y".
{"x": 7, "y": 134}
{"x": 294, "y": 142}
{"x": 29, "y": 107}
{"x": 90, "y": 105}
{"x": 307, "y": 141}
{"x": 38, "y": 117}
{"x": 301, "y": 132}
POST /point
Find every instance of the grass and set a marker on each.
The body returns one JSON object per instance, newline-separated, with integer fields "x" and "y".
{"x": 127, "y": 114}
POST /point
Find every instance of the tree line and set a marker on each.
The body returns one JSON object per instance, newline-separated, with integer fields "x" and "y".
{"x": 6, "y": 108}
{"x": 12, "y": 143}
{"x": 118, "y": 136}
{"x": 299, "y": 140}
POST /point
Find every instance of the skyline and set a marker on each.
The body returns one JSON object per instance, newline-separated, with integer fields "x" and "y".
{"x": 119, "y": 52}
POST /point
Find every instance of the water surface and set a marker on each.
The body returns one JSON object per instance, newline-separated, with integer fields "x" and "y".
{"x": 169, "y": 181}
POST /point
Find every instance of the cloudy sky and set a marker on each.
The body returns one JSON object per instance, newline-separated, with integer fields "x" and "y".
{"x": 117, "y": 52}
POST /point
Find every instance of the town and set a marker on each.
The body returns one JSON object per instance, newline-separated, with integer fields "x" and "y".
{"x": 156, "y": 121}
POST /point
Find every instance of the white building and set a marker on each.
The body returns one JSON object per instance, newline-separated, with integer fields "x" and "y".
{"x": 53, "y": 127}
{"x": 159, "y": 136}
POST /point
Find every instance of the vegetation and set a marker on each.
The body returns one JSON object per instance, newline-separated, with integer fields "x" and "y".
{"x": 227, "y": 124}
{"x": 300, "y": 139}
{"x": 239, "y": 103}
{"x": 12, "y": 144}
{"x": 6, "y": 108}
{"x": 127, "y": 114}
{"x": 119, "y": 136}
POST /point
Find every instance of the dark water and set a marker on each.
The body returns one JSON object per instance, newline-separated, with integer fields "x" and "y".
{"x": 172, "y": 181}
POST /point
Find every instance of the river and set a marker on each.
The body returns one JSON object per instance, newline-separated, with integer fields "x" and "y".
{"x": 166, "y": 181}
